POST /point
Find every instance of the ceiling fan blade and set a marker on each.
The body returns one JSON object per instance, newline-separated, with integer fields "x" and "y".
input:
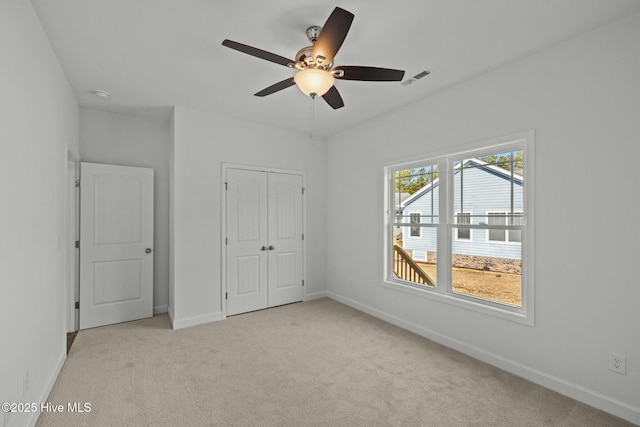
{"x": 276, "y": 87}
{"x": 333, "y": 34}
{"x": 370, "y": 74}
{"x": 333, "y": 98}
{"x": 259, "y": 53}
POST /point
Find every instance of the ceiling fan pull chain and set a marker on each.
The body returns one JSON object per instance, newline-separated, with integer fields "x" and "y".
{"x": 312, "y": 115}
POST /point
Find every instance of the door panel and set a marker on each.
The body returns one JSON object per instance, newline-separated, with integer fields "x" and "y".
{"x": 118, "y": 209}
{"x": 117, "y": 281}
{"x": 116, "y": 228}
{"x": 264, "y": 240}
{"x": 284, "y": 201}
{"x": 248, "y": 273}
{"x": 286, "y": 269}
{"x": 285, "y": 226}
{"x": 249, "y": 210}
{"x": 246, "y": 235}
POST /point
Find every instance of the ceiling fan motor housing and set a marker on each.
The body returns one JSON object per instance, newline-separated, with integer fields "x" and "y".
{"x": 304, "y": 59}
{"x": 313, "y": 32}
{"x": 304, "y": 56}
{"x": 303, "y": 53}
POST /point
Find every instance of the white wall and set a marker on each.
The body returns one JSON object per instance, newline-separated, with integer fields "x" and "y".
{"x": 172, "y": 215}
{"x": 126, "y": 140}
{"x": 202, "y": 143}
{"x": 582, "y": 97}
{"x": 38, "y": 127}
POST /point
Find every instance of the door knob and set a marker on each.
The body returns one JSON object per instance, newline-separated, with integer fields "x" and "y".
{"x": 147, "y": 251}
{"x": 271, "y": 248}
{"x": 264, "y": 248}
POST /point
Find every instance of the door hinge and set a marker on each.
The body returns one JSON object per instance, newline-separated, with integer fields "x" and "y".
{"x": 77, "y": 305}
{"x": 226, "y": 241}
{"x": 303, "y": 190}
{"x": 302, "y": 236}
{"x": 226, "y": 295}
{"x": 226, "y": 186}
{"x": 77, "y": 183}
{"x": 77, "y": 244}
{"x": 303, "y": 283}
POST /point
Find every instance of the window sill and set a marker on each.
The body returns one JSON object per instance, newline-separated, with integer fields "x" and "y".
{"x": 468, "y": 304}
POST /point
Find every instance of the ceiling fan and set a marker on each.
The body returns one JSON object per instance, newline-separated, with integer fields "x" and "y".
{"x": 316, "y": 74}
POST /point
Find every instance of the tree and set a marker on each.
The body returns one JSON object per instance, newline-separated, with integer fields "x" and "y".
{"x": 504, "y": 160}
{"x": 411, "y": 180}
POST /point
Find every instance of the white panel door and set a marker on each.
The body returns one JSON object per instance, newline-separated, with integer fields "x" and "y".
{"x": 116, "y": 244}
{"x": 264, "y": 240}
{"x": 285, "y": 239}
{"x": 247, "y": 241}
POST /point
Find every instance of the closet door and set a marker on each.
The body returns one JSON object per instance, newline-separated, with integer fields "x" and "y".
{"x": 264, "y": 240}
{"x": 285, "y": 239}
{"x": 247, "y": 241}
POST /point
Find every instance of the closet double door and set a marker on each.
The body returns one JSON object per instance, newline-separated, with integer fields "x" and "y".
{"x": 264, "y": 236}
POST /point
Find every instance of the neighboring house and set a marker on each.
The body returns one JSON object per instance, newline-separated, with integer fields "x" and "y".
{"x": 486, "y": 200}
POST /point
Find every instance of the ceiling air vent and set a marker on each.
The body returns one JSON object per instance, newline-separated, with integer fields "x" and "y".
{"x": 416, "y": 77}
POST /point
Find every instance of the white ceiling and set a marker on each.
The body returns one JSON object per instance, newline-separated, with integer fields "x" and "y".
{"x": 153, "y": 54}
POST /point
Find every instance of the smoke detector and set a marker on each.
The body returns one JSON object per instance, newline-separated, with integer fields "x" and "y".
{"x": 100, "y": 93}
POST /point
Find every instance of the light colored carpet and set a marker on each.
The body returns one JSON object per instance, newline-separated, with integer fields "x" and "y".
{"x": 318, "y": 363}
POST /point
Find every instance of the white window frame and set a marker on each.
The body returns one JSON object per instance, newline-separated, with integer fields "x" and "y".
{"x": 458, "y": 239}
{"x": 411, "y": 227}
{"x": 447, "y": 221}
{"x": 507, "y": 233}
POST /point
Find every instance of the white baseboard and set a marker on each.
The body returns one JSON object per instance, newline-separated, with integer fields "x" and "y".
{"x": 315, "y": 295}
{"x": 592, "y": 398}
{"x": 158, "y": 309}
{"x": 47, "y": 391}
{"x": 195, "y": 320}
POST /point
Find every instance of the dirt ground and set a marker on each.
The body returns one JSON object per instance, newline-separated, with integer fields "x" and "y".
{"x": 502, "y": 287}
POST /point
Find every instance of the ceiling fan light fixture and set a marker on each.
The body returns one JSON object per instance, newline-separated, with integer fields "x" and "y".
{"x": 316, "y": 75}
{"x": 314, "y": 81}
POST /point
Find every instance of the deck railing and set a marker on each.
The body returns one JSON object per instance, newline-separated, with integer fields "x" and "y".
{"x": 404, "y": 267}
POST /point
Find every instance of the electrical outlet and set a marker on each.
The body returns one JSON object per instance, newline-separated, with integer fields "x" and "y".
{"x": 618, "y": 363}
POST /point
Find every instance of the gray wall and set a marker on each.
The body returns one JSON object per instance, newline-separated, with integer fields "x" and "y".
{"x": 582, "y": 99}
{"x": 126, "y": 140}
{"x": 38, "y": 128}
{"x": 202, "y": 143}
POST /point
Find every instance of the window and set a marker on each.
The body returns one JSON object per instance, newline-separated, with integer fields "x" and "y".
{"x": 463, "y": 233}
{"x": 482, "y": 190}
{"x": 414, "y": 218}
{"x": 504, "y": 218}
